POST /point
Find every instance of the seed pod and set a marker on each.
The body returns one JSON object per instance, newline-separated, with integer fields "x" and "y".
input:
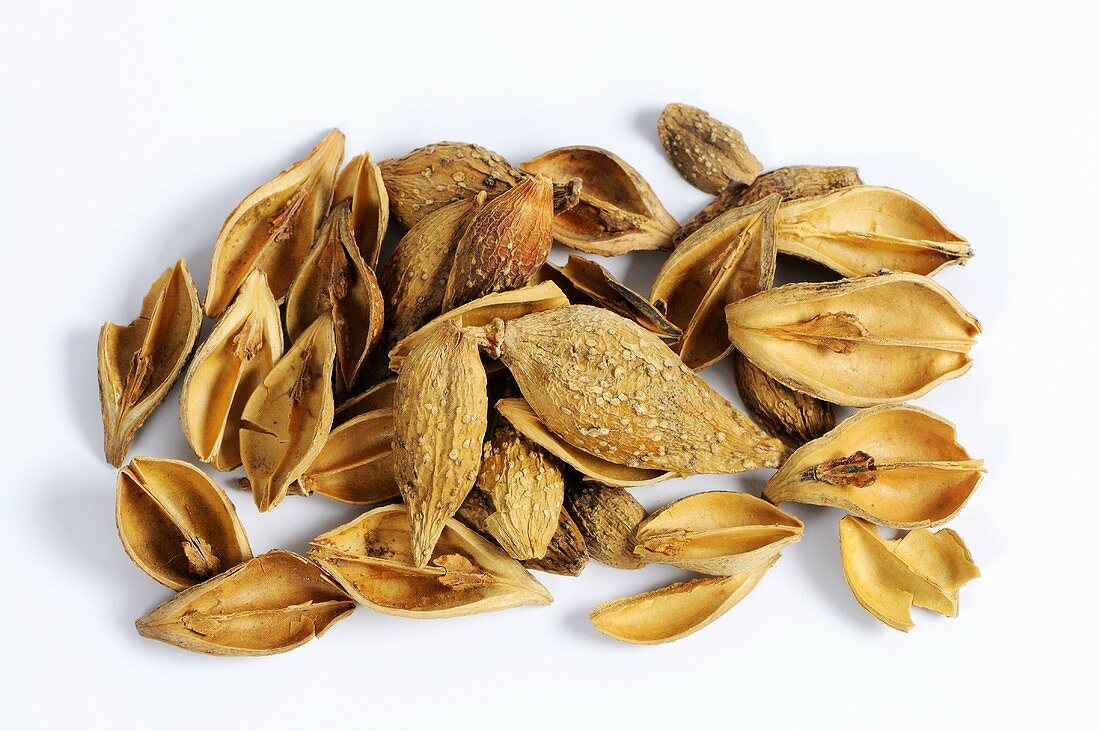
{"x": 856, "y": 342}
{"x": 862, "y": 230}
{"x": 922, "y": 568}
{"x": 374, "y": 398}
{"x": 716, "y": 533}
{"x": 707, "y": 153}
{"x": 356, "y": 463}
{"x": 440, "y": 407}
{"x": 176, "y": 524}
{"x": 730, "y": 258}
{"x": 607, "y": 518}
{"x": 675, "y": 611}
{"x": 272, "y": 229}
{"x": 139, "y": 362}
{"x": 270, "y": 604}
{"x": 791, "y": 417}
{"x": 898, "y": 466}
{"x": 372, "y": 557}
{"x": 614, "y": 390}
{"x": 287, "y": 419}
{"x": 617, "y": 211}
{"x": 361, "y": 183}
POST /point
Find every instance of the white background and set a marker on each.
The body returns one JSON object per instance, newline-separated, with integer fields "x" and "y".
{"x": 129, "y": 131}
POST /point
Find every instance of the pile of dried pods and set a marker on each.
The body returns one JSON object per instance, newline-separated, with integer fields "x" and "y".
{"x": 528, "y": 396}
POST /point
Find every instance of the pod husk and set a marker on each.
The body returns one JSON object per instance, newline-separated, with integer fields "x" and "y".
{"x": 378, "y": 396}
{"x": 788, "y": 415}
{"x": 361, "y": 182}
{"x": 708, "y": 153}
{"x": 607, "y": 518}
{"x": 355, "y": 465}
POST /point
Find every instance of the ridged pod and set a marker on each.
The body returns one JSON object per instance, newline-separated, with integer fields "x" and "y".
{"x": 790, "y": 416}
{"x": 361, "y": 183}
{"x": 708, "y": 153}
{"x": 607, "y": 518}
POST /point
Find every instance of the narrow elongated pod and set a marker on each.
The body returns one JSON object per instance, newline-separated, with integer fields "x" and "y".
{"x": 355, "y": 465}
{"x": 361, "y": 183}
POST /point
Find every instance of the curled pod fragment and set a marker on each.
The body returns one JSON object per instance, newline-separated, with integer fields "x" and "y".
{"x": 865, "y": 229}
{"x": 617, "y": 211}
{"x": 677, "y": 610}
{"x": 856, "y": 342}
{"x": 269, "y": 604}
{"x": 372, "y": 557}
{"x": 607, "y": 518}
{"x": 356, "y": 463}
{"x": 288, "y": 417}
{"x": 379, "y": 396}
{"x": 716, "y": 533}
{"x": 139, "y": 362}
{"x": 361, "y": 183}
{"x": 272, "y": 229}
{"x": 708, "y": 153}
{"x": 176, "y": 524}
{"x": 788, "y": 415}
{"x": 244, "y": 346}
{"x": 615, "y": 390}
{"x": 898, "y": 466}
{"x": 887, "y": 577}
{"x": 729, "y": 259}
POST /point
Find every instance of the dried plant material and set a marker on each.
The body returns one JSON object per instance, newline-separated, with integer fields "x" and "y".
{"x": 707, "y": 153}
{"x": 379, "y": 396}
{"x": 607, "y": 518}
{"x": 372, "y": 557}
{"x": 334, "y": 278}
{"x": 288, "y": 417}
{"x": 675, "y": 611}
{"x": 244, "y": 346}
{"x": 617, "y": 211}
{"x": 139, "y": 362}
{"x": 272, "y": 229}
{"x": 865, "y": 229}
{"x": 356, "y": 463}
{"x": 788, "y": 415}
{"x": 856, "y": 342}
{"x": 898, "y": 466}
{"x": 440, "y": 411}
{"x": 615, "y": 390}
{"x": 176, "y": 524}
{"x": 716, "y": 533}
{"x": 585, "y": 282}
{"x": 361, "y": 183}
{"x": 729, "y": 259}
{"x": 888, "y": 577}
{"x": 270, "y": 604}
{"x": 431, "y": 177}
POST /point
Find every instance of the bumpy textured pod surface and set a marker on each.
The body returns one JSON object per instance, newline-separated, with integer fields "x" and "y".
{"x": 288, "y": 417}
{"x": 607, "y": 518}
{"x": 708, "y": 153}
{"x": 675, "y": 611}
{"x": 361, "y": 183}
{"x": 440, "y": 411}
{"x": 615, "y": 390}
{"x": 898, "y": 466}
{"x": 617, "y": 211}
{"x": 272, "y": 229}
{"x": 865, "y": 229}
{"x": 788, "y": 415}
{"x": 856, "y": 342}
{"x": 356, "y": 463}
{"x": 244, "y": 346}
{"x": 372, "y": 557}
{"x": 376, "y": 397}
{"x": 176, "y": 524}
{"x": 270, "y": 604}
{"x": 729, "y": 259}
{"x": 888, "y": 577}
{"x": 139, "y": 362}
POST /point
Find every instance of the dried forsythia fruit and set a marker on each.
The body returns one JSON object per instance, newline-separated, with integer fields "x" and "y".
{"x": 355, "y": 465}
{"x": 788, "y": 415}
{"x": 607, "y": 518}
{"x": 360, "y": 182}
{"x": 707, "y": 153}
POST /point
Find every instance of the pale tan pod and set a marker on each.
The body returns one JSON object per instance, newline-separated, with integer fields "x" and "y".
{"x": 716, "y": 533}
{"x": 898, "y": 466}
{"x": 372, "y": 557}
{"x": 269, "y": 604}
{"x": 139, "y": 362}
{"x": 729, "y": 259}
{"x": 788, "y": 415}
{"x": 361, "y": 182}
{"x": 379, "y": 396}
{"x": 708, "y": 153}
{"x": 856, "y": 342}
{"x": 242, "y": 349}
{"x": 607, "y": 518}
{"x": 675, "y": 611}
{"x": 176, "y": 524}
{"x": 288, "y": 417}
{"x": 272, "y": 229}
{"x": 356, "y": 463}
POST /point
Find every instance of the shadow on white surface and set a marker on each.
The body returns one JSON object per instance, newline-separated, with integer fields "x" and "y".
{"x": 645, "y": 124}
{"x": 82, "y": 384}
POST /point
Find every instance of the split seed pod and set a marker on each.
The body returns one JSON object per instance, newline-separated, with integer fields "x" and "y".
{"x": 270, "y": 604}
{"x": 922, "y": 568}
{"x": 361, "y": 182}
{"x": 856, "y": 342}
{"x": 729, "y": 259}
{"x": 707, "y": 153}
{"x": 287, "y": 419}
{"x": 372, "y": 557}
{"x": 607, "y": 518}
{"x": 244, "y": 346}
{"x": 617, "y": 211}
{"x": 356, "y": 463}
{"x": 272, "y": 229}
{"x": 139, "y": 362}
{"x": 716, "y": 533}
{"x": 374, "y": 398}
{"x": 898, "y": 466}
{"x": 788, "y": 415}
{"x": 176, "y": 524}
